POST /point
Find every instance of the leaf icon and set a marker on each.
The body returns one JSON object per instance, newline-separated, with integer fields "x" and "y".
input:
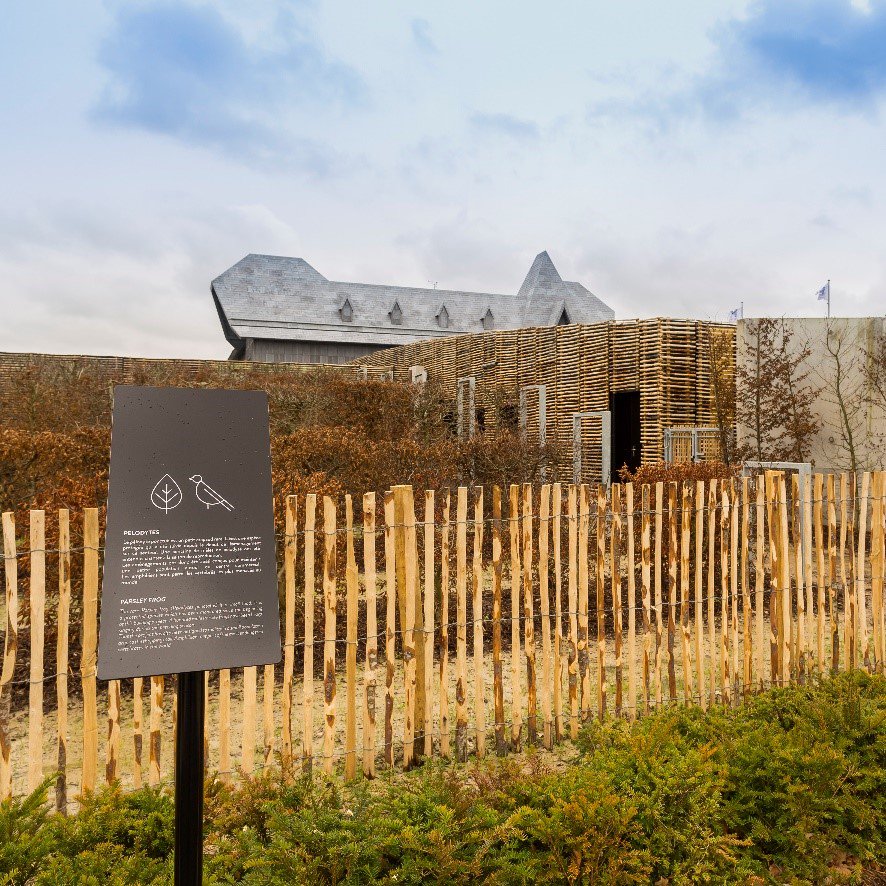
{"x": 167, "y": 494}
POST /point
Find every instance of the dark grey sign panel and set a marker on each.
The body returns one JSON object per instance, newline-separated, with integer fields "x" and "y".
{"x": 190, "y": 579}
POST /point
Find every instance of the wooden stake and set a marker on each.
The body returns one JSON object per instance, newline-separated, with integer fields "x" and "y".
{"x": 759, "y": 606}
{"x": 713, "y": 667}
{"x": 601, "y": 602}
{"x": 632, "y": 605}
{"x": 733, "y": 591}
{"x": 659, "y": 625}
{"x": 477, "y": 612}
{"x": 784, "y": 582}
{"x": 807, "y": 566}
{"x": 138, "y": 725}
{"x": 289, "y": 552}
{"x": 584, "y": 669}
{"x": 498, "y": 691}
{"x": 529, "y": 619}
{"x": 411, "y": 627}
{"x": 88, "y": 653}
{"x": 307, "y": 746}
{"x": 832, "y": 574}
{"x": 572, "y": 517}
{"x": 371, "y": 650}
{"x": 461, "y": 617}
{"x": 38, "y": 620}
{"x": 860, "y": 597}
{"x": 516, "y": 585}
{"x": 113, "y": 745}
{"x": 352, "y": 592}
{"x": 672, "y": 589}
{"x": 818, "y": 493}
{"x": 247, "y": 733}
{"x": 428, "y": 623}
{"x": 798, "y": 646}
{"x": 877, "y": 569}
{"x": 557, "y": 510}
{"x": 848, "y": 595}
{"x": 646, "y": 590}
{"x": 615, "y": 586}
{"x": 748, "y": 658}
{"x": 330, "y": 603}
{"x": 390, "y": 623}
{"x": 61, "y": 659}
{"x": 699, "y": 592}
{"x": 224, "y": 724}
{"x": 444, "y": 631}
{"x": 544, "y": 515}
{"x": 685, "y": 629}
{"x": 724, "y": 594}
{"x": 10, "y": 647}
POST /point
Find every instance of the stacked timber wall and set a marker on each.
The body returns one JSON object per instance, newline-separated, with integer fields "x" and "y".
{"x": 667, "y": 361}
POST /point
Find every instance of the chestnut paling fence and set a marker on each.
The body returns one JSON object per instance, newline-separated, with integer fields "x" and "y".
{"x": 473, "y": 621}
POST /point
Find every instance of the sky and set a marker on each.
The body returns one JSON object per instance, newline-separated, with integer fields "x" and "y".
{"x": 677, "y": 159}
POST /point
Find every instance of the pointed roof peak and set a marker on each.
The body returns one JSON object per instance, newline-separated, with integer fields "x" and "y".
{"x": 542, "y": 276}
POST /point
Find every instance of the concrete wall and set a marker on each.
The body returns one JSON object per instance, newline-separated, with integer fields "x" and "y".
{"x": 851, "y": 340}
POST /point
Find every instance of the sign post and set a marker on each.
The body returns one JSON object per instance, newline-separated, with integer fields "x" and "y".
{"x": 190, "y": 581}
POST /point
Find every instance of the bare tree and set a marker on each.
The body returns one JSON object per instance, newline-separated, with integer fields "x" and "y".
{"x": 774, "y": 394}
{"x": 721, "y": 357}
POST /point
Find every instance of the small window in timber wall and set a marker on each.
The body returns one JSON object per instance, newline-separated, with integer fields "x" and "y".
{"x": 396, "y": 314}
{"x": 480, "y": 420}
{"x": 509, "y": 417}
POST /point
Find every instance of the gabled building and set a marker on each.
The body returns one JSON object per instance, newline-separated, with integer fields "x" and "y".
{"x": 277, "y": 309}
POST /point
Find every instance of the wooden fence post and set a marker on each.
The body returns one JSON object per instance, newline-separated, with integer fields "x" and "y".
{"x": 615, "y": 589}
{"x": 724, "y": 594}
{"x": 733, "y": 590}
{"x": 529, "y": 619}
{"x": 832, "y": 574}
{"x": 572, "y": 604}
{"x": 877, "y": 569}
{"x": 10, "y": 647}
{"x": 659, "y": 625}
{"x": 428, "y": 621}
{"x": 461, "y": 628}
{"x": 247, "y": 731}
{"x": 601, "y": 602}
{"x": 516, "y": 589}
{"x": 268, "y": 713}
{"x": 477, "y": 613}
{"x": 685, "y": 629}
{"x": 498, "y": 690}
{"x": 646, "y": 590}
{"x": 673, "y": 550}
{"x": 289, "y": 554}
{"x": 848, "y": 595}
{"x": 817, "y": 511}
{"x": 330, "y": 603}
{"x": 557, "y": 509}
{"x": 224, "y": 724}
{"x": 584, "y": 668}
{"x": 390, "y": 623}
{"x": 632, "y": 605}
{"x": 113, "y": 746}
{"x": 308, "y": 663}
{"x": 798, "y": 632}
{"x": 860, "y": 596}
{"x": 37, "y": 599}
{"x": 712, "y": 630}
{"x": 444, "y": 630}
{"x": 88, "y": 649}
{"x": 411, "y": 627}
{"x": 61, "y": 659}
{"x": 155, "y": 745}
{"x": 352, "y": 592}
{"x": 699, "y": 592}
{"x": 807, "y": 565}
{"x": 759, "y": 607}
{"x": 785, "y": 581}
{"x": 544, "y": 516}
{"x": 371, "y": 667}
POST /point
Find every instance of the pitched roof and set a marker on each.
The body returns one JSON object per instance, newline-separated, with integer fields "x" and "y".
{"x": 274, "y": 297}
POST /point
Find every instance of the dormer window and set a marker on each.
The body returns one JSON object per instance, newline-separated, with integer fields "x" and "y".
{"x": 488, "y": 320}
{"x": 346, "y": 311}
{"x": 564, "y": 318}
{"x": 443, "y": 317}
{"x": 396, "y": 314}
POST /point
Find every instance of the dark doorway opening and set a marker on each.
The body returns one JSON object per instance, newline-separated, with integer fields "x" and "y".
{"x": 626, "y": 446}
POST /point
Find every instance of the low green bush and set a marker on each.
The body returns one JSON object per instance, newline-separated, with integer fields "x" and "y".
{"x": 788, "y": 788}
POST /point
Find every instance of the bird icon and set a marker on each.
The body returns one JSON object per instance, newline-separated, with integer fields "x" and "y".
{"x": 208, "y": 495}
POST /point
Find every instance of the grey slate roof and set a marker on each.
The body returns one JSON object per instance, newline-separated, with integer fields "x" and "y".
{"x": 274, "y": 297}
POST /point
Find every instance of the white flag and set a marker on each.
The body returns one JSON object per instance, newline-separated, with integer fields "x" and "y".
{"x": 825, "y": 292}
{"x": 734, "y": 314}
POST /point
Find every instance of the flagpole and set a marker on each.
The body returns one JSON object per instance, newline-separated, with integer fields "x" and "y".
{"x": 829, "y": 297}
